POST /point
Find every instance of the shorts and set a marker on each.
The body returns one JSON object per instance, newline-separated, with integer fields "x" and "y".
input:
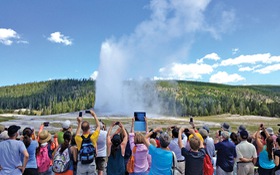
{"x": 30, "y": 171}
{"x": 100, "y": 163}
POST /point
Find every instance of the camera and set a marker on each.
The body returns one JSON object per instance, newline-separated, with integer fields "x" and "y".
{"x": 80, "y": 114}
{"x": 220, "y": 132}
{"x": 191, "y": 120}
{"x": 46, "y": 124}
{"x": 87, "y": 111}
{"x": 117, "y": 123}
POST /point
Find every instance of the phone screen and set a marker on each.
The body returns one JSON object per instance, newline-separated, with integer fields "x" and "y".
{"x": 139, "y": 116}
{"x": 191, "y": 120}
{"x": 80, "y": 114}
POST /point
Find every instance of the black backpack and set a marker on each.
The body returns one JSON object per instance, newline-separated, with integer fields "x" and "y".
{"x": 87, "y": 152}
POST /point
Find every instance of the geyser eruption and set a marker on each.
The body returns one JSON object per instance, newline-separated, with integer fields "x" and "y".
{"x": 129, "y": 65}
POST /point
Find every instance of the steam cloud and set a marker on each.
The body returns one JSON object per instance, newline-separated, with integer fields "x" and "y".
{"x": 162, "y": 39}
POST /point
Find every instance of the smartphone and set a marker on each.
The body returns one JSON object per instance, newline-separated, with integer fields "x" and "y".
{"x": 220, "y": 132}
{"x": 261, "y": 125}
{"x": 88, "y": 112}
{"x": 117, "y": 123}
{"x": 80, "y": 114}
{"x": 46, "y": 124}
{"x": 139, "y": 116}
{"x": 278, "y": 124}
{"x": 191, "y": 120}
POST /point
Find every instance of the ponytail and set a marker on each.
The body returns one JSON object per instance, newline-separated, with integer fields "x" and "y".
{"x": 67, "y": 136}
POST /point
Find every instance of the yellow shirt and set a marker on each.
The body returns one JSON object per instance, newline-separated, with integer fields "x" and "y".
{"x": 93, "y": 139}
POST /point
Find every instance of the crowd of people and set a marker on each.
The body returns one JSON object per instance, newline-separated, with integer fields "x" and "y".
{"x": 117, "y": 151}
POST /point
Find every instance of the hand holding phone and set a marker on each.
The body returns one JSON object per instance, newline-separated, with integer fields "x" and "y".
{"x": 46, "y": 124}
{"x": 117, "y": 123}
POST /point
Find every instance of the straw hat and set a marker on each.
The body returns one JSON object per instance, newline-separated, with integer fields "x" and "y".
{"x": 44, "y": 136}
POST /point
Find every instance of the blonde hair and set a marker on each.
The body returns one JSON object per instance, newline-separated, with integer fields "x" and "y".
{"x": 138, "y": 138}
{"x": 153, "y": 142}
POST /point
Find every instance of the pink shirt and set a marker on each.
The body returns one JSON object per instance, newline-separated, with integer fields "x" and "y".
{"x": 141, "y": 157}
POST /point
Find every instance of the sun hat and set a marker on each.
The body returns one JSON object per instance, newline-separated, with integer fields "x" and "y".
{"x": 13, "y": 129}
{"x": 44, "y": 136}
{"x": 269, "y": 131}
{"x": 206, "y": 127}
{"x": 241, "y": 128}
{"x": 225, "y": 126}
{"x": 203, "y": 132}
{"x": 4, "y": 135}
{"x": 66, "y": 124}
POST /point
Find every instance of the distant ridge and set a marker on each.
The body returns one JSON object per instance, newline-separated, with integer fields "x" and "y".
{"x": 177, "y": 98}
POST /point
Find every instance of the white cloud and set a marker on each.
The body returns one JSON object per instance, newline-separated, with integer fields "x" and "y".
{"x": 22, "y": 42}
{"x": 184, "y": 71}
{"x": 211, "y": 56}
{"x": 248, "y": 69}
{"x": 235, "y": 51}
{"x": 7, "y": 36}
{"x": 269, "y": 69}
{"x": 249, "y": 59}
{"x": 57, "y": 37}
{"x": 94, "y": 75}
{"x": 224, "y": 77}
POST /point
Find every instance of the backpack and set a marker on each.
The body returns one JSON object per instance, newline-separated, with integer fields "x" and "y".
{"x": 87, "y": 151}
{"x": 61, "y": 161}
{"x": 207, "y": 165}
{"x": 43, "y": 159}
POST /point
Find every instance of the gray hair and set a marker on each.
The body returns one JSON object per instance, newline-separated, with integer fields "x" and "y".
{"x": 225, "y": 134}
{"x": 164, "y": 140}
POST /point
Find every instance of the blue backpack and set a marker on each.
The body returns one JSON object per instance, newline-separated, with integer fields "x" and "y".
{"x": 87, "y": 152}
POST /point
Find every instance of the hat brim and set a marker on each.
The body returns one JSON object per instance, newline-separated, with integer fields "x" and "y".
{"x": 46, "y": 140}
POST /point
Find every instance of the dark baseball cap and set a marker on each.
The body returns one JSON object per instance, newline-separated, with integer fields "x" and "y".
{"x": 13, "y": 129}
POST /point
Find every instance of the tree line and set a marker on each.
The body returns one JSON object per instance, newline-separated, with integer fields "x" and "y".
{"x": 177, "y": 98}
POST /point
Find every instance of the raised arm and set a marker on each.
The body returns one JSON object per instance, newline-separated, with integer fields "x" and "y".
{"x": 132, "y": 125}
{"x": 108, "y": 139}
{"x": 148, "y": 135}
{"x": 146, "y": 123}
{"x": 96, "y": 119}
{"x": 180, "y": 143}
{"x": 78, "y": 131}
{"x": 258, "y": 141}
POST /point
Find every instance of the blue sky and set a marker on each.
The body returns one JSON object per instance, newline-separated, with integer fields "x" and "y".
{"x": 231, "y": 42}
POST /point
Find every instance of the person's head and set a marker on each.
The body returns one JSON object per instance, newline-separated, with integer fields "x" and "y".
{"x": 13, "y": 131}
{"x": 175, "y": 132}
{"x": 234, "y": 138}
{"x": 241, "y": 128}
{"x": 164, "y": 140}
{"x": 263, "y": 136}
{"x": 116, "y": 140}
{"x": 206, "y": 127}
{"x": 4, "y": 135}
{"x": 194, "y": 143}
{"x": 203, "y": 133}
{"x": 225, "y": 135}
{"x": 244, "y": 135}
{"x": 27, "y": 133}
{"x": 153, "y": 142}
{"x": 67, "y": 136}
{"x": 154, "y": 135}
{"x": 85, "y": 126}
{"x": 139, "y": 138}
{"x": 44, "y": 137}
{"x": 2, "y": 128}
{"x": 66, "y": 125}
{"x": 270, "y": 131}
{"x": 225, "y": 126}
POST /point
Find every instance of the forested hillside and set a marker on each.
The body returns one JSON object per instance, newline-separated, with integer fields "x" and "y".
{"x": 177, "y": 98}
{"x": 49, "y": 97}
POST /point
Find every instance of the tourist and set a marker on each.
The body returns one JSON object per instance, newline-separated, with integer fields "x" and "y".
{"x": 208, "y": 143}
{"x": 141, "y": 156}
{"x": 31, "y": 146}
{"x": 226, "y": 154}
{"x": 277, "y": 156}
{"x": 246, "y": 155}
{"x": 266, "y": 158}
{"x": 173, "y": 146}
{"x": 4, "y": 136}
{"x": 86, "y": 167}
{"x": 161, "y": 157}
{"x": 101, "y": 149}
{"x": 116, "y": 150}
{"x": 195, "y": 156}
{"x": 10, "y": 154}
{"x": 67, "y": 137}
{"x": 66, "y": 126}
{"x": 43, "y": 154}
